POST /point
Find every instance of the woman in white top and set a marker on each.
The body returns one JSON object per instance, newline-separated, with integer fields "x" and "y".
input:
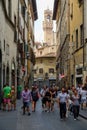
{"x": 83, "y": 97}
{"x": 76, "y": 105}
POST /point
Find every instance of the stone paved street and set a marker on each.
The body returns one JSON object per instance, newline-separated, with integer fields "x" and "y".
{"x": 38, "y": 120}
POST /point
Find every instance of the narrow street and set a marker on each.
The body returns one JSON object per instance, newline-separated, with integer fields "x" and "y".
{"x": 39, "y": 120}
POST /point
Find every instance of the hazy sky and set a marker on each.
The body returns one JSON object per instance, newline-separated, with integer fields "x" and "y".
{"x": 41, "y": 6}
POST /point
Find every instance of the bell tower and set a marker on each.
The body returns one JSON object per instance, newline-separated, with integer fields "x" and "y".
{"x": 48, "y": 27}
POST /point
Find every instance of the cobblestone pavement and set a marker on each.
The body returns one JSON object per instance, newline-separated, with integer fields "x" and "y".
{"x": 38, "y": 120}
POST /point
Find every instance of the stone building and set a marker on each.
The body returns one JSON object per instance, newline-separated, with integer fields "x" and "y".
{"x": 15, "y": 17}
{"x": 77, "y": 42}
{"x": 44, "y": 70}
{"x": 85, "y": 41}
{"x": 71, "y": 20}
{"x": 8, "y": 46}
{"x": 33, "y": 15}
{"x": 61, "y": 15}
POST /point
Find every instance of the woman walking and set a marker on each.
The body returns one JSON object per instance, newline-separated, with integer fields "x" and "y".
{"x": 35, "y": 97}
{"x": 76, "y": 105}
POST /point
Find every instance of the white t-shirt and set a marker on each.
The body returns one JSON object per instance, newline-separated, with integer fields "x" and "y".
{"x": 83, "y": 94}
{"x": 62, "y": 97}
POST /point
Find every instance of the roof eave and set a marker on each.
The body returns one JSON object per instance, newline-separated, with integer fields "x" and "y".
{"x": 55, "y": 9}
{"x": 35, "y": 9}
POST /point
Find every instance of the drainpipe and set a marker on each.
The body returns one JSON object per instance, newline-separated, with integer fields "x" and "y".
{"x": 84, "y": 24}
{"x": 83, "y": 36}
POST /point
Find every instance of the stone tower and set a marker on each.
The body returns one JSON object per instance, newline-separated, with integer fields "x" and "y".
{"x": 48, "y": 27}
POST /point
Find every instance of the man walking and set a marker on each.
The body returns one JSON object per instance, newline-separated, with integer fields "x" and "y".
{"x": 62, "y": 100}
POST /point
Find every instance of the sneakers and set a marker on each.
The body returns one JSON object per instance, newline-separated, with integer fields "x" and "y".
{"x": 74, "y": 119}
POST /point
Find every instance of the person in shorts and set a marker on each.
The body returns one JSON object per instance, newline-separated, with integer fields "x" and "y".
{"x": 48, "y": 99}
{"x": 42, "y": 94}
{"x": 7, "y": 97}
{"x": 35, "y": 97}
{"x": 26, "y": 96}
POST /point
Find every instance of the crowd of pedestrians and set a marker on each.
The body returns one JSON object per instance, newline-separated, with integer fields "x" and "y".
{"x": 69, "y": 100}
{"x": 72, "y": 100}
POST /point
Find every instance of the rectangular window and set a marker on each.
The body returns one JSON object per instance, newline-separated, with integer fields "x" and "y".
{"x": 71, "y": 13}
{"x": 40, "y": 52}
{"x": 80, "y": 2}
{"x": 4, "y": 44}
{"x": 81, "y": 34}
{"x": 51, "y": 70}
{"x": 35, "y": 71}
{"x": 72, "y": 38}
{"x": 41, "y": 70}
{"x": 23, "y": 10}
{"x": 79, "y": 71}
{"x": 76, "y": 38}
{"x": 15, "y": 31}
{"x": 9, "y": 8}
{"x": 7, "y": 49}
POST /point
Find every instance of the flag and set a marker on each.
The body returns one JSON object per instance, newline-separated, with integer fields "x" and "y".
{"x": 61, "y": 76}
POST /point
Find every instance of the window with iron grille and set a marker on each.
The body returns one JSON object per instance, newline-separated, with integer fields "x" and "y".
{"x": 41, "y": 70}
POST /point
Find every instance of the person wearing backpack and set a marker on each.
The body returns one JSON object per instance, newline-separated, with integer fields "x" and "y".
{"x": 35, "y": 97}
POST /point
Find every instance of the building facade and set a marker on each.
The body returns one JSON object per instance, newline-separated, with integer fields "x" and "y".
{"x": 85, "y": 41}
{"x": 14, "y": 40}
{"x": 71, "y": 21}
{"x": 32, "y": 11}
{"x": 8, "y": 47}
{"x": 44, "y": 70}
{"x": 77, "y": 41}
{"x": 61, "y": 15}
